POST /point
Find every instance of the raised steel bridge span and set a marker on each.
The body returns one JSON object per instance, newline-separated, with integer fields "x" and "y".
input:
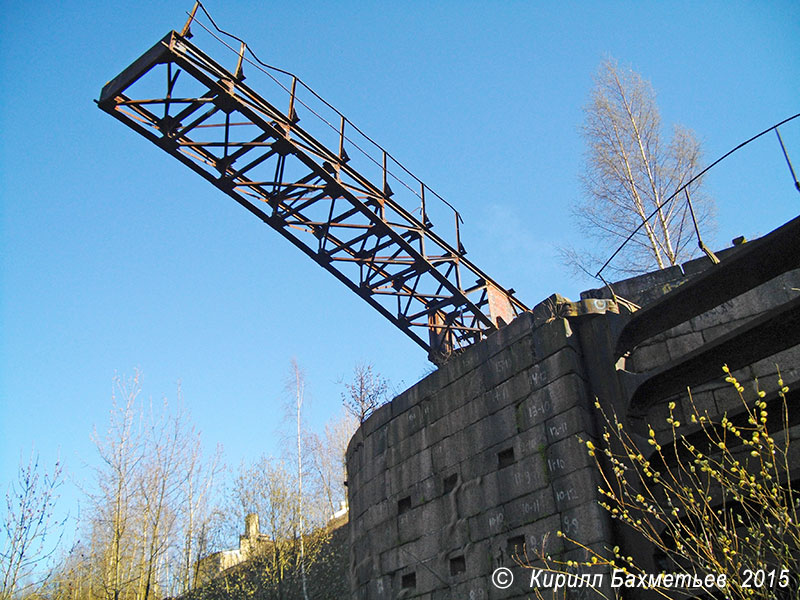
{"x": 319, "y": 181}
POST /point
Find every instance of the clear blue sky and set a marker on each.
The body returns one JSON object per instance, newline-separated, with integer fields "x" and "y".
{"x": 113, "y": 256}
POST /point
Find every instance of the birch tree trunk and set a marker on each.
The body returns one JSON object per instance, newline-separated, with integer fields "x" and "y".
{"x": 630, "y": 171}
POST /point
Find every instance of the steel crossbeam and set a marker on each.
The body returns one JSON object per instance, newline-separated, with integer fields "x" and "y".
{"x": 208, "y": 118}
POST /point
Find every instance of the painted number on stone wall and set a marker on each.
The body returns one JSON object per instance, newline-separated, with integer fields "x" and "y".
{"x": 569, "y": 494}
{"x": 569, "y": 525}
{"x": 524, "y": 477}
{"x": 495, "y": 521}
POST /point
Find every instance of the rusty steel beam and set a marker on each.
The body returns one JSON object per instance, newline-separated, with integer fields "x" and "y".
{"x": 311, "y": 194}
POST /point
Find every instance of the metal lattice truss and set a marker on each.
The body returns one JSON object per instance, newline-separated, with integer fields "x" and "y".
{"x": 205, "y": 116}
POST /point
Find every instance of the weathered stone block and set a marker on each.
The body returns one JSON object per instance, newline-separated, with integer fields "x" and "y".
{"x": 496, "y": 370}
{"x": 572, "y": 421}
{"x": 404, "y": 401}
{"x": 541, "y": 538}
{"x": 725, "y": 312}
{"x": 512, "y": 390}
{"x": 522, "y": 354}
{"x": 487, "y": 524}
{"x": 567, "y": 456}
{"x": 376, "y": 420}
{"x": 363, "y": 568}
{"x": 375, "y": 466}
{"x": 493, "y": 429}
{"x": 727, "y": 399}
{"x": 414, "y": 416}
{"x": 446, "y": 454}
{"x": 529, "y": 508}
{"x": 389, "y": 560}
{"x": 678, "y": 330}
{"x": 389, "y": 538}
{"x": 703, "y": 402}
{"x": 380, "y": 588}
{"x": 470, "y": 498}
{"x": 375, "y": 516}
{"x": 647, "y": 357}
{"x": 554, "y": 367}
{"x": 506, "y": 336}
{"x": 575, "y": 488}
{"x": 553, "y": 337}
{"x": 524, "y": 476}
{"x": 410, "y": 526}
{"x": 713, "y": 332}
{"x": 438, "y": 406}
{"x": 557, "y": 397}
{"x": 411, "y": 472}
{"x": 478, "y": 462}
{"x": 658, "y": 414}
{"x": 470, "y": 412}
{"x": 455, "y": 525}
{"x": 356, "y": 442}
{"x": 586, "y": 524}
{"x": 375, "y": 490}
{"x": 533, "y": 441}
{"x": 411, "y": 445}
{"x": 458, "y": 365}
{"x": 766, "y": 370}
{"x": 679, "y": 347}
{"x": 442, "y": 428}
{"x": 472, "y": 588}
{"x": 422, "y": 550}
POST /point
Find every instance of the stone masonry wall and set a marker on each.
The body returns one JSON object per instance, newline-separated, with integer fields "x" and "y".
{"x": 449, "y": 480}
{"x": 452, "y": 478}
{"x": 716, "y": 397}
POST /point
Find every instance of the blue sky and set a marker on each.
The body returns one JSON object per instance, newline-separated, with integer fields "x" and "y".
{"x": 113, "y": 256}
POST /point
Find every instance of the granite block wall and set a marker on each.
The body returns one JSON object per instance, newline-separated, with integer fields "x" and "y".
{"x": 481, "y": 461}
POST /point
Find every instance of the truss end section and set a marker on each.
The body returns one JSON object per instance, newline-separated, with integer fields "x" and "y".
{"x": 501, "y": 310}
{"x": 441, "y": 338}
{"x": 136, "y": 69}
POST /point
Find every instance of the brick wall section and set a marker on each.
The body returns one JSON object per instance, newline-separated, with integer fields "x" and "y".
{"x": 478, "y": 455}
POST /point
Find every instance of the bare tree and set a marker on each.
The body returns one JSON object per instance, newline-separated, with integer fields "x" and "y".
{"x": 162, "y": 481}
{"x": 267, "y": 488}
{"x": 629, "y": 173}
{"x": 365, "y": 392}
{"x": 121, "y": 452}
{"x": 149, "y": 512}
{"x": 196, "y": 512}
{"x": 328, "y": 458}
{"x": 30, "y": 530}
{"x": 297, "y": 385}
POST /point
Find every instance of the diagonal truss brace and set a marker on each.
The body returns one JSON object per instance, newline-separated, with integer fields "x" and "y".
{"x": 351, "y": 226}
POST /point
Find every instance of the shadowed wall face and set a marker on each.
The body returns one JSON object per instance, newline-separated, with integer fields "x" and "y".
{"x": 476, "y": 462}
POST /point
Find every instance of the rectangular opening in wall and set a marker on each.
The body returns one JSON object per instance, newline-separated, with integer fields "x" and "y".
{"x": 450, "y": 483}
{"x": 458, "y": 564}
{"x": 516, "y": 547}
{"x": 505, "y": 458}
{"x": 409, "y": 581}
{"x": 404, "y": 505}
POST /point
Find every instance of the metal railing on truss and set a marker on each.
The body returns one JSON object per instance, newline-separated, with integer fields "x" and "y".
{"x": 337, "y": 131}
